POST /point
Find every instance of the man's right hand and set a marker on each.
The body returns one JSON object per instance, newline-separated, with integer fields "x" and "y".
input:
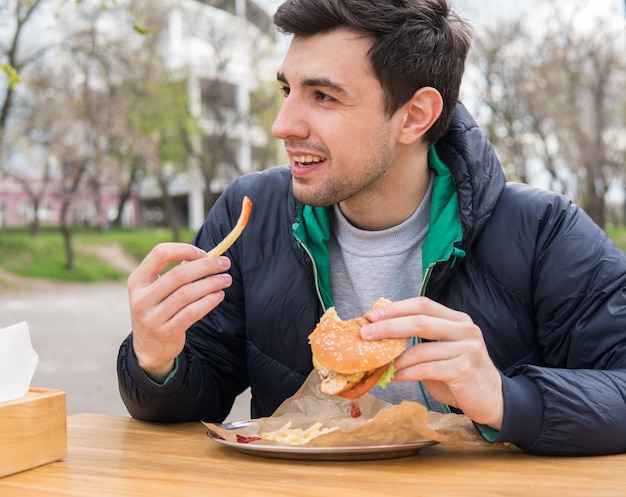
{"x": 163, "y": 307}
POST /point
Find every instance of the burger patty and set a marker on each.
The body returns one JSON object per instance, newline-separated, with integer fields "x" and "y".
{"x": 333, "y": 383}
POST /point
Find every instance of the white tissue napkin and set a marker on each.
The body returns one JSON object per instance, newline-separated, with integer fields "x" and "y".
{"x": 18, "y": 361}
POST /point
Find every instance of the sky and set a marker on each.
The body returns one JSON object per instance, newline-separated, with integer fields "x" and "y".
{"x": 481, "y": 13}
{"x": 488, "y": 12}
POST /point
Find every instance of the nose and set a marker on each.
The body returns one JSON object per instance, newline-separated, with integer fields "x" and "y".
{"x": 289, "y": 122}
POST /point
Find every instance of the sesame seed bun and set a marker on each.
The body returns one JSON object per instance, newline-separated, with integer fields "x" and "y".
{"x": 338, "y": 346}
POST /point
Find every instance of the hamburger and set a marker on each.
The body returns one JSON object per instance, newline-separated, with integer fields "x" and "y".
{"x": 348, "y": 365}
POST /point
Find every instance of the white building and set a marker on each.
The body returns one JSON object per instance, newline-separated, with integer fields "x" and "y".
{"x": 220, "y": 47}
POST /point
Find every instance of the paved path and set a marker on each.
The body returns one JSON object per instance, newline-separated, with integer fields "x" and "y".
{"x": 76, "y": 330}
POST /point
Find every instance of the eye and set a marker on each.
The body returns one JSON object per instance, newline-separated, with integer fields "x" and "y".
{"x": 284, "y": 90}
{"x": 323, "y": 97}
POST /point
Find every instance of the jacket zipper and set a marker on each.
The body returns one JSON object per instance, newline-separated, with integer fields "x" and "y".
{"x": 416, "y": 340}
{"x": 315, "y": 279}
{"x": 426, "y": 278}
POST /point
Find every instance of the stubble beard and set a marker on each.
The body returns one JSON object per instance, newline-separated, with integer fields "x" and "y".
{"x": 334, "y": 190}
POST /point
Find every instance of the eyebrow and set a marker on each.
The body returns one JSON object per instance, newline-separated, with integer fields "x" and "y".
{"x": 315, "y": 82}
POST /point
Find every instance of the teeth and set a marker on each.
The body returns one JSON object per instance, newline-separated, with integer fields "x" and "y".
{"x": 306, "y": 158}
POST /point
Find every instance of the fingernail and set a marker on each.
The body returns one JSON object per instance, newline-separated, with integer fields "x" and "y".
{"x": 224, "y": 262}
{"x": 375, "y": 314}
{"x": 368, "y": 331}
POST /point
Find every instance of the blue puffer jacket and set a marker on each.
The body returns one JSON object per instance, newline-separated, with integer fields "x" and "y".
{"x": 543, "y": 282}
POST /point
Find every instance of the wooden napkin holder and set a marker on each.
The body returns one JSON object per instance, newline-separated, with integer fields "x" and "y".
{"x": 33, "y": 430}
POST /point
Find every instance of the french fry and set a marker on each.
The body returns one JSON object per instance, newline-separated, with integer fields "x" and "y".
{"x": 286, "y": 435}
{"x": 224, "y": 245}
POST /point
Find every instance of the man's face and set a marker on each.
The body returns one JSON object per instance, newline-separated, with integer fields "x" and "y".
{"x": 339, "y": 141}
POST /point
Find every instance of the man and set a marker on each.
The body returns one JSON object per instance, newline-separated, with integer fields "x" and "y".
{"x": 392, "y": 191}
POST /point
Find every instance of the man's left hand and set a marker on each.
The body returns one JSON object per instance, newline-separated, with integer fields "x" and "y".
{"x": 453, "y": 363}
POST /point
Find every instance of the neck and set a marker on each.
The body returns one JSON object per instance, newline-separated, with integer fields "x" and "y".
{"x": 394, "y": 198}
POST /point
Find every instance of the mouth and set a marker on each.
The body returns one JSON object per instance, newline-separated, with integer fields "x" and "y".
{"x": 306, "y": 160}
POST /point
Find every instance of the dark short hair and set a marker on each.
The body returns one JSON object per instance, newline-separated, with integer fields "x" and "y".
{"x": 416, "y": 43}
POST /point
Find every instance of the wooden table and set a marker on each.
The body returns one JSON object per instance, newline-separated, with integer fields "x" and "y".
{"x": 117, "y": 456}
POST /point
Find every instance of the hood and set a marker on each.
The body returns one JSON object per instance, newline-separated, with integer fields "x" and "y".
{"x": 476, "y": 170}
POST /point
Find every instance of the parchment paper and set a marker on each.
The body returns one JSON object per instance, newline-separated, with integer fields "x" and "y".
{"x": 380, "y": 423}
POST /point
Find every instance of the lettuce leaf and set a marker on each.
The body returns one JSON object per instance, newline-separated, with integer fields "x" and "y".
{"x": 387, "y": 376}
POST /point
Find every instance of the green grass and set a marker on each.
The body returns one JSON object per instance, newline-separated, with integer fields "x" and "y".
{"x": 44, "y": 256}
{"x": 136, "y": 243}
{"x": 618, "y": 234}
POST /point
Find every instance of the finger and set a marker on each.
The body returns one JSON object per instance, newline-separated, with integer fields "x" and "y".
{"x": 429, "y": 352}
{"x": 459, "y": 380}
{"x": 159, "y": 258}
{"x": 183, "y": 274}
{"x": 183, "y": 284}
{"x": 454, "y": 363}
{"x": 414, "y": 306}
{"x": 455, "y": 371}
{"x": 431, "y": 371}
{"x": 179, "y": 310}
{"x": 186, "y": 295}
{"x": 420, "y": 325}
{"x": 194, "y": 311}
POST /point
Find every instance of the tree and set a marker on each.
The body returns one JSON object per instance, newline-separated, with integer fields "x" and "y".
{"x": 162, "y": 117}
{"x": 28, "y": 84}
{"x": 217, "y": 121}
{"x": 555, "y": 98}
{"x": 16, "y": 13}
{"x": 34, "y": 186}
{"x": 110, "y": 84}
{"x": 68, "y": 111}
{"x": 503, "y": 112}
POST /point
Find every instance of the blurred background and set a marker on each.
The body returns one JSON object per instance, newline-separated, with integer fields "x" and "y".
{"x": 121, "y": 122}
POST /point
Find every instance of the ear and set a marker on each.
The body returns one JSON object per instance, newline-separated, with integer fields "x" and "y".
{"x": 420, "y": 113}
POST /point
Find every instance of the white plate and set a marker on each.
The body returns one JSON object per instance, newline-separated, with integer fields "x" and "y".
{"x": 350, "y": 453}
